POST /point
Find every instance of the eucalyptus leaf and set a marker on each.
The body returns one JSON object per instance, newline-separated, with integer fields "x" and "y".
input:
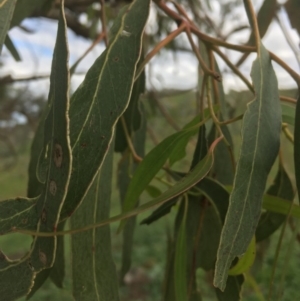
{"x": 42, "y": 213}
{"x": 93, "y": 270}
{"x": 297, "y": 144}
{"x": 101, "y": 99}
{"x": 180, "y": 261}
{"x": 6, "y": 11}
{"x": 260, "y": 144}
{"x": 12, "y": 49}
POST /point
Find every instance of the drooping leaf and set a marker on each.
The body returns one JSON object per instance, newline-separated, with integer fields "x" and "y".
{"x": 126, "y": 166}
{"x": 101, "y": 99}
{"x": 269, "y": 221}
{"x": 12, "y": 49}
{"x": 6, "y": 11}
{"x": 297, "y": 144}
{"x": 260, "y": 144}
{"x": 223, "y": 168}
{"x": 42, "y": 213}
{"x": 93, "y": 270}
{"x": 132, "y": 115}
{"x": 180, "y": 261}
{"x": 155, "y": 160}
{"x": 233, "y": 289}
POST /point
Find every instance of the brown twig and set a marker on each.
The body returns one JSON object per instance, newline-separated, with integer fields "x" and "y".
{"x": 202, "y": 63}
{"x": 159, "y": 46}
{"x": 135, "y": 156}
{"x": 103, "y": 22}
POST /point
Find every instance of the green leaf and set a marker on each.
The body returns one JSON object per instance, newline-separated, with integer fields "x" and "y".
{"x": 223, "y": 167}
{"x": 153, "y": 191}
{"x": 6, "y": 11}
{"x": 233, "y": 289}
{"x": 126, "y": 166}
{"x": 217, "y": 195}
{"x": 246, "y": 261}
{"x": 101, "y": 99}
{"x": 161, "y": 211}
{"x": 56, "y": 272}
{"x": 25, "y": 8}
{"x": 35, "y": 186}
{"x": 297, "y": 144}
{"x": 132, "y": 115}
{"x": 278, "y": 205}
{"x": 12, "y": 49}
{"x": 269, "y": 221}
{"x": 94, "y": 274}
{"x": 288, "y": 114}
{"x": 260, "y": 144}
{"x": 42, "y": 212}
{"x": 180, "y": 262}
{"x": 155, "y": 160}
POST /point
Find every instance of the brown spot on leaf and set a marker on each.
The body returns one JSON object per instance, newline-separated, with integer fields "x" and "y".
{"x": 43, "y": 258}
{"x": 44, "y": 216}
{"x": 52, "y": 187}
{"x": 58, "y": 155}
{"x": 116, "y": 59}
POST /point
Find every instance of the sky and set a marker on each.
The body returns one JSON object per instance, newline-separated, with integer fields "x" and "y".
{"x": 167, "y": 71}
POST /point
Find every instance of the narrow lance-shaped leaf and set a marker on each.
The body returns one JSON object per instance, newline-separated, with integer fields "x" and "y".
{"x": 297, "y": 144}
{"x": 42, "y": 213}
{"x": 101, "y": 99}
{"x": 12, "y": 49}
{"x": 6, "y": 11}
{"x": 126, "y": 166}
{"x": 260, "y": 144}
{"x": 180, "y": 262}
{"x": 93, "y": 270}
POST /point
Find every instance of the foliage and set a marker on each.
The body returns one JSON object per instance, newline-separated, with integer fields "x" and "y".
{"x": 223, "y": 208}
